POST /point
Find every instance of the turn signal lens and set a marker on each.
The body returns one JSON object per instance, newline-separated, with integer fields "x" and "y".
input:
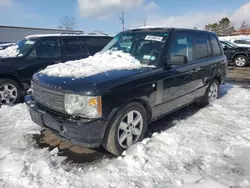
{"x": 93, "y": 102}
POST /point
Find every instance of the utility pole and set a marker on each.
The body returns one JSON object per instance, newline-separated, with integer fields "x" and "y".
{"x": 122, "y": 20}
{"x": 145, "y": 22}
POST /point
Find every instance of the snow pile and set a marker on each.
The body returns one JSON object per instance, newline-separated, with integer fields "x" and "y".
{"x": 11, "y": 51}
{"x": 100, "y": 62}
{"x": 209, "y": 148}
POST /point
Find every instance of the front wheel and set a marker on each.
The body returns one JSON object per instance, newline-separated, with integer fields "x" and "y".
{"x": 10, "y": 92}
{"x": 211, "y": 94}
{"x": 127, "y": 127}
{"x": 240, "y": 61}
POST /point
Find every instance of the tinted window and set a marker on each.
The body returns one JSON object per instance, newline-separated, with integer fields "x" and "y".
{"x": 70, "y": 46}
{"x": 202, "y": 46}
{"x": 46, "y": 48}
{"x": 215, "y": 45}
{"x": 242, "y": 42}
{"x": 182, "y": 44}
{"x": 95, "y": 44}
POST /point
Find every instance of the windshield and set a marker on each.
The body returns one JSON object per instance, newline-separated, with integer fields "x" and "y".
{"x": 144, "y": 46}
{"x": 230, "y": 44}
{"x": 25, "y": 45}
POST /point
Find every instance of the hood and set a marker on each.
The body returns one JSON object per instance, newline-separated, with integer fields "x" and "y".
{"x": 242, "y": 49}
{"x": 91, "y": 85}
{"x": 5, "y": 61}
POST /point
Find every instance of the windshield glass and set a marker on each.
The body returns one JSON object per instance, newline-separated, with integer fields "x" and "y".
{"x": 25, "y": 45}
{"x": 144, "y": 46}
{"x": 230, "y": 44}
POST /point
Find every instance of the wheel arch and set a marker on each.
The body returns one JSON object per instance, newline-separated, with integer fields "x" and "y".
{"x": 240, "y": 54}
{"x": 141, "y": 100}
{"x": 12, "y": 77}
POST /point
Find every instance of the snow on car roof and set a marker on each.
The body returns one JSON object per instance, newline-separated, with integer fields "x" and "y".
{"x": 65, "y": 34}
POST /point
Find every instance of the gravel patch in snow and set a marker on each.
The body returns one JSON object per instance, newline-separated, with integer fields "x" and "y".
{"x": 210, "y": 148}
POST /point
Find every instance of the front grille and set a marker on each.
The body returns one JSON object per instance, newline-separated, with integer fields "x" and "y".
{"x": 48, "y": 98}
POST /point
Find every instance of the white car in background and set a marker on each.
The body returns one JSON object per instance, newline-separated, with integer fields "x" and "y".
{"x": 241, "y": 42}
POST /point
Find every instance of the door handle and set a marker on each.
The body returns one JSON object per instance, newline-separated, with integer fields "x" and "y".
{"x": 195, "y": 70}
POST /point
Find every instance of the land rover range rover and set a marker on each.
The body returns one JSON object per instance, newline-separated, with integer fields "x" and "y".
{"x": 113, "y": 107}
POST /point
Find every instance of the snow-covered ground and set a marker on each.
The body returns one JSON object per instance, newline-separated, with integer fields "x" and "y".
{"x": 208, "y": 149}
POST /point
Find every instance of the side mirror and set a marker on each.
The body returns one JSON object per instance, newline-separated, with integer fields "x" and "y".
{"x": 225, "y": 48}
{"x": 178, "y": 60}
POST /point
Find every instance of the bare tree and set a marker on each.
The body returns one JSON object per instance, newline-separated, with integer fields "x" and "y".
{"x": 67, "y": 23}
{"x": 244, "y": 27}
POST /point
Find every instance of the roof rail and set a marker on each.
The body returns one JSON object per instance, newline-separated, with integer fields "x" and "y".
{"x": 98, "y": 34}
{"x": 72, "y": 33}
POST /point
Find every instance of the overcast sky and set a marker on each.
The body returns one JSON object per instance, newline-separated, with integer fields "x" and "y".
{"x": 104, "y": 14}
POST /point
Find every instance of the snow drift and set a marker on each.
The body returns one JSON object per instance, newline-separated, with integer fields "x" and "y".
{"x": 208, "y": 149}
{"x": 100, "y": 62}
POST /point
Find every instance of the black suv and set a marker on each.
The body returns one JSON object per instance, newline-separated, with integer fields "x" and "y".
{"x": 239, "y": 56}
{"x": 113, "y": 108}
{"x": 21, "y": 61}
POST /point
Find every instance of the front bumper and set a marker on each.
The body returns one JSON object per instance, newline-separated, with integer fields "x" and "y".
{"x": 84, "y": 132}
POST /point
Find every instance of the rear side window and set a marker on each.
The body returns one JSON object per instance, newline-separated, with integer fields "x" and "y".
{"x": 46, "y": 48}
{"x": 215, "y": 45}
{"x": 70, "y": 46}
{"x": 202, "y": 46}
{"x": 182, "y": 44}
{"x": 95, "y": 44}
{"x": 242, "y": 42}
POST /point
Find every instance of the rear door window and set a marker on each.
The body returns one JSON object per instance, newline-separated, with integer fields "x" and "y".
{"x": 202, "y": 47}
{"x": 182, "y": 44}
{"x": 215, "y": 45}
{"x": 70, "y": 46}
{"x": 46, "y": 48}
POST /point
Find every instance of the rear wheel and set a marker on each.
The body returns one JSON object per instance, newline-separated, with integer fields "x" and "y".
{"x": 240, "y": 61}
{"x": 211, "y": 94}
{"x": 127, "y": 127}
{"x": 10, "y": 92}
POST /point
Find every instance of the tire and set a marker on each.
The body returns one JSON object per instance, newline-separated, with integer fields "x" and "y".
{"x": 240, "y": 61}
{"x": 208, "y": 98}
{"x": 10, "y": 92}
{"x": 118, "y": 128}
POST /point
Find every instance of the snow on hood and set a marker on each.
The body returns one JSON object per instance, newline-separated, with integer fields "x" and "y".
{"x": 11, "y": 51}
{"x": 100, "y": 62}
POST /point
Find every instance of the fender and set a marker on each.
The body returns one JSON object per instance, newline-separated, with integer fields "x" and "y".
{"x": 7, "y": 72}
{"x": 241, "y": 53}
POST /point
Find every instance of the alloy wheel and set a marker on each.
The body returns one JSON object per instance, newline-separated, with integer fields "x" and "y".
{"x": 130, "y": 129}
{"x": 240, "y": 61}
{"x": 213, "y": 92}
{"x": 8, "y": 94}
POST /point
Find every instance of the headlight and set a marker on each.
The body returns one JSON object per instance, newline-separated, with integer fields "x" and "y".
{"x": 84, "y": 106}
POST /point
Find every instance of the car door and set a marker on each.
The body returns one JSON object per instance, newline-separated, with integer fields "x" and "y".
{"x": 203, "y": 59}
{"x": 71, "y": 49}
{"x": 228, "y": 51}
{"x": 179, "y": 84}
{"x": 44, "y": 53}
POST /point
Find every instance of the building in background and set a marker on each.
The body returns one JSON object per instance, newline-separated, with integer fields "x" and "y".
{"x": 9, "y": 34}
